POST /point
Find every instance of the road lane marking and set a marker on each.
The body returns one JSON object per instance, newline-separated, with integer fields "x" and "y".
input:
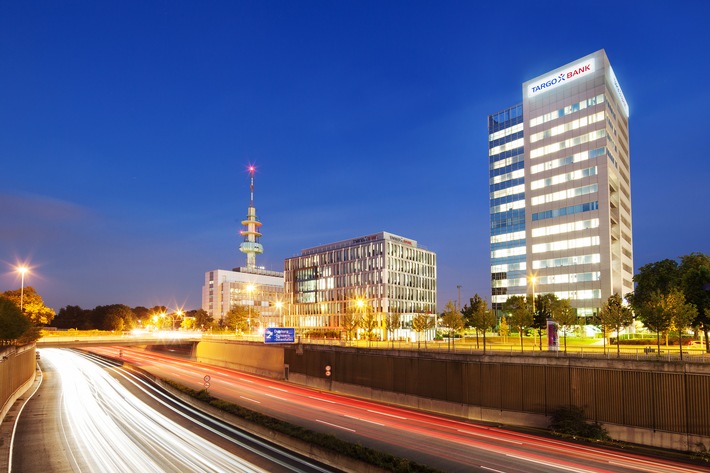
{"x": 553, "y": 465}
{"x": 275, "y": 397}
{"x": 489, "y": 437}
{"x": 365, "y": 420}
{"x": 335, "y": 425}
{"x": 492, "y": 469}
{"x": 277, "y": 389}
{"x": 385, "y": 414}
{"x": 250, "y": 399}
{"x": 324, "y": 400}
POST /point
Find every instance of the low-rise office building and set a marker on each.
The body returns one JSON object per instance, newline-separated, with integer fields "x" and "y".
{"x": 380, "y": 274}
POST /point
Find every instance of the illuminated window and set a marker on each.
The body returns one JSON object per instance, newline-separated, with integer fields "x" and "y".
{"x": 564, "y": 194}
{"x": 509, "y": 191}
{"x": 569, "y": 261}
{"x": 506, "y": 132}
{"x": 567, "y": 110}
{"x": 577, "y": 140}
{"x": 575, "y": 158}
{"x": 566, "y": 244}
{"x": 573, "y": 125}
{"x": 562, "y": 178}
{"x": 566, "y": 227}
{"x": 505, "y": 147}
{"x": 517, "y": 174}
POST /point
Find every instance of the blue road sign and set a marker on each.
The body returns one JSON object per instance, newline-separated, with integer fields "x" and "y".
{"x": 279, "y": 335}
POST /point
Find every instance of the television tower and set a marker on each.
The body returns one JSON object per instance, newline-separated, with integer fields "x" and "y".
{"x": 251, "y": 246}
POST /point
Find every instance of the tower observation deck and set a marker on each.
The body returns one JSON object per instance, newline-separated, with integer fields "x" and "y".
{"x": 251, "y": 246}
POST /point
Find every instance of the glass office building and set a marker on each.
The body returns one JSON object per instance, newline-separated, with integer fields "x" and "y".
{"x": 560, "y": 188}
{"x": 388, "y": 273}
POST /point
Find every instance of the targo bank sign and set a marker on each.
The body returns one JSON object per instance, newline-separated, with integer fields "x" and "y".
{"x": 566, "y": 75}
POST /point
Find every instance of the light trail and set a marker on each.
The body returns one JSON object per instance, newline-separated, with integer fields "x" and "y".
{"x": 457, "y": 440}
{"x": 116, "y": 432}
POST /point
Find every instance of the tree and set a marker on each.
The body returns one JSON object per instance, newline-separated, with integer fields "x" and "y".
{"x": 72, "y": 316}
{"x": 543, "y": 311}
{"x": 652, "y": 314}
{"x": 615, "y": 315}
{"x": 393, "y": 321}
{"x": 203, "y": 320}
{"x": 478, "y": 316}
{"x": 350, "y": 323}
{"x": 420, "y": 324}
{"x": 520, "y": 314}
{"x": 660, "y": 276}
{"x": 680, "y": 313}
{"x": 142, "y": 314}
{"x": 32, "y": 305}
{"x": 504, "y": 329}
{"x": 12, "y": 323}
{"x": 565, "y": 316}
{"x": 452, "y": 320}
{"x": 695, "y": 281}
{"x": 369, "y": 324}
{"x": 238, "y": 319}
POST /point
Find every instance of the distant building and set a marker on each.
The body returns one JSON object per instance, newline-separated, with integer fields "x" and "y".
{"x": 560, "y": 188}
{"x": 249, "y": 286}
{"x": 256, "y": 288}
{"x": 387, "y": 273}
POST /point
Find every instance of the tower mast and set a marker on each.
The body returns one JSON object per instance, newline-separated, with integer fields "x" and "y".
{"x": 251, "y": 246}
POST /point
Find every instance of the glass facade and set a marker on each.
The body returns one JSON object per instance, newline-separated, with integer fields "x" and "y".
{"x": 391, "y": 274}
{"x": 507, "y": 204}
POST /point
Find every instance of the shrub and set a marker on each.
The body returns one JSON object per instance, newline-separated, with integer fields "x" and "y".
{"x": 570, "y": 421}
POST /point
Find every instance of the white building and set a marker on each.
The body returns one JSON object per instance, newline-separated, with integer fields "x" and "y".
{"x": 256, "y": 288}
{"x": 560, "y": 188}
{"x": 387, "y": 273}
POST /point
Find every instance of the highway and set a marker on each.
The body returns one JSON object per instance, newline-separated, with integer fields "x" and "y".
{"x": 448, "y": 444}
{"x": 90, "y": 415}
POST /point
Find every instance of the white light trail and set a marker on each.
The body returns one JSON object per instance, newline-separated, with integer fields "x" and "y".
{"x": 117, "y": 432}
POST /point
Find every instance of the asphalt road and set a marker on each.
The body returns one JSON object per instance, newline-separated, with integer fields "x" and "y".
{"x": 93, "y": 416}
{"x": 444, "y": 443}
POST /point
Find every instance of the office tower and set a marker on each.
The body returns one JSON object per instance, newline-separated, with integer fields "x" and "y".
{"x": 560, "y": 191}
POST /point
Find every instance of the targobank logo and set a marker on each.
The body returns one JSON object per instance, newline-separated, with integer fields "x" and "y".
{"x": 572, "y": 73}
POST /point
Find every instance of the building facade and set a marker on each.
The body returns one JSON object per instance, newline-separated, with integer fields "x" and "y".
{"x": 258, "y": 289}
{"x": 384, "y": 273}
{"x": 560, "y": 188}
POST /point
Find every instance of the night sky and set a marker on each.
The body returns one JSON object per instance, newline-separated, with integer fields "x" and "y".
{"x": 126, "y": 129}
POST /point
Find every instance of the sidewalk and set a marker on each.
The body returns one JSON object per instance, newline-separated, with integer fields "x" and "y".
{"x": 7, "y": 423}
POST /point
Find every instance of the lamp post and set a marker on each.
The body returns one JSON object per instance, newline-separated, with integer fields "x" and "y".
{"x": 532, "y": 280}
{"x": 22, "y": 270}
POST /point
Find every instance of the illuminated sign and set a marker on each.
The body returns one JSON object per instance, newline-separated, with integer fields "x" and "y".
{"x": 279, "y": 335}
{"x": 565, "y": 76}
{"x": 619, "y": 93}
{"x": 365, "y": 239}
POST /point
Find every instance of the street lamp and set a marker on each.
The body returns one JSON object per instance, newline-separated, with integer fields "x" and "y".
{"x": 22, "y": 270}
{"x": 532, "y": 280}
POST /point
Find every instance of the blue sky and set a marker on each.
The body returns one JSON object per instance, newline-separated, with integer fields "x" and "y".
{"x": 126, "y": 129}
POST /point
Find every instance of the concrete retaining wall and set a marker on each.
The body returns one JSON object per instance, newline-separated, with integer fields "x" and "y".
{"x": 263, "y": 360}
{"x": 17, "y": 371}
